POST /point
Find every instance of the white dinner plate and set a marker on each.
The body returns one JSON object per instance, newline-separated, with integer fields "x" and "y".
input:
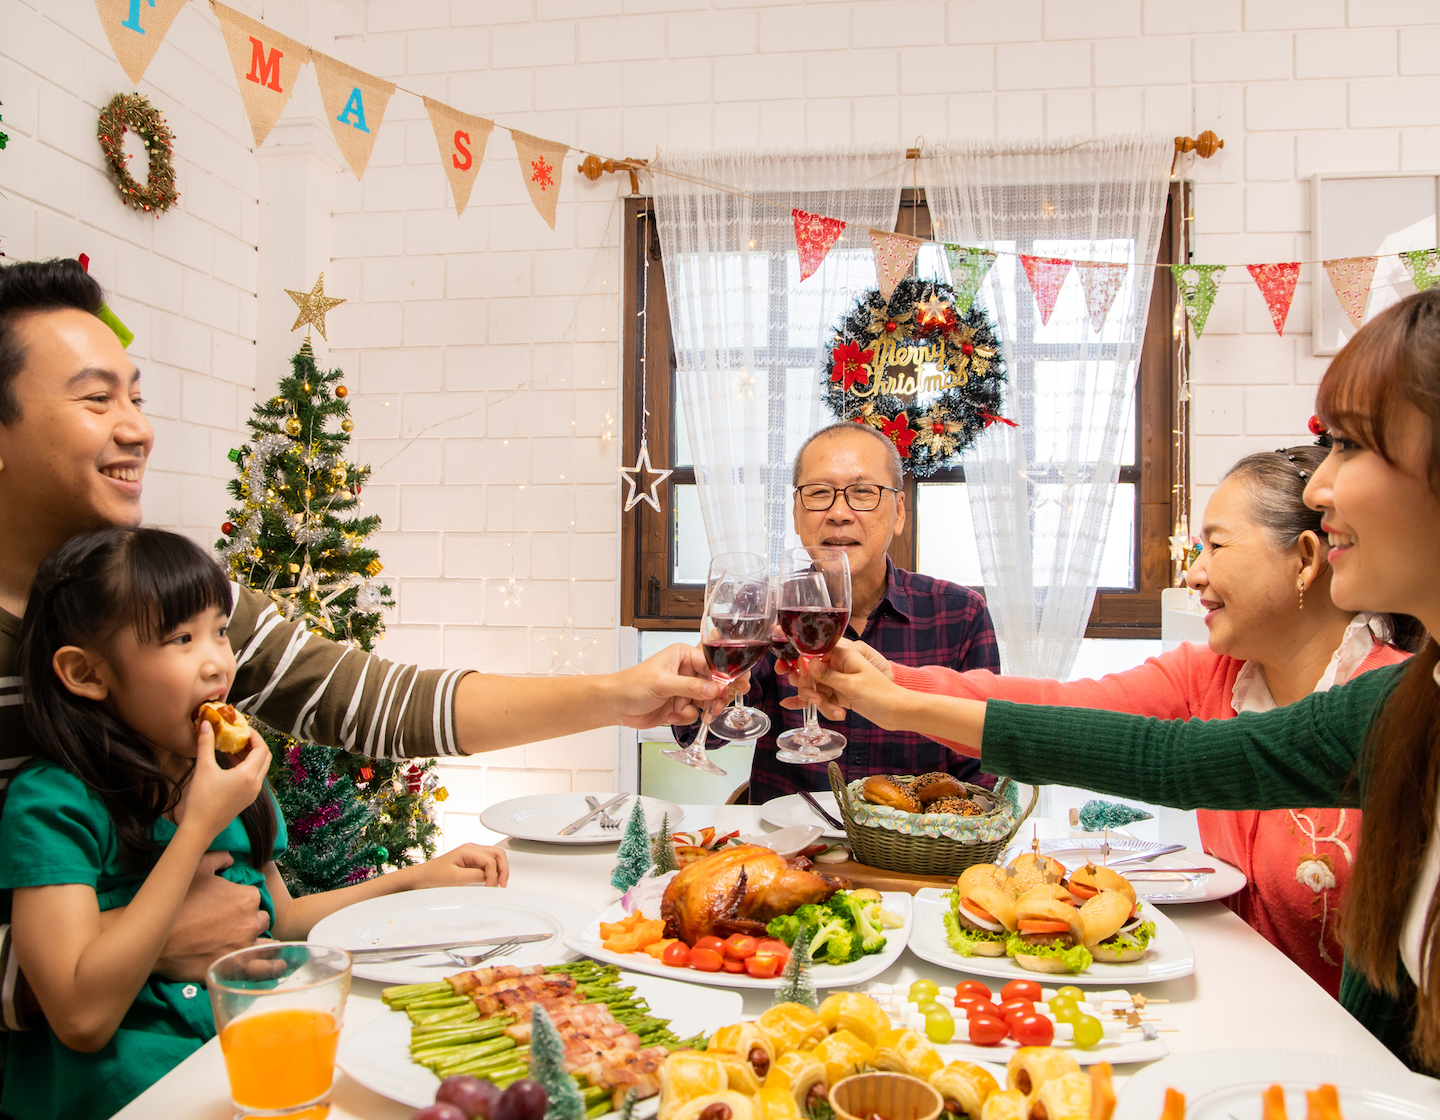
{"x": 449, "y": 914}
{"x": 541, "y": 816}
{"x": 1167, "y": 890}
{"x": 378, "y": 1055}
{"x": 1226, "y": 1085}
{"x": 791, "y": 810}
{"x": 1168, "y": 958}
{"x": 825, "y": 975}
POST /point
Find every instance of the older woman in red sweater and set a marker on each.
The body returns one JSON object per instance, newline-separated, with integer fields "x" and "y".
{"x": 1275, "y": 637}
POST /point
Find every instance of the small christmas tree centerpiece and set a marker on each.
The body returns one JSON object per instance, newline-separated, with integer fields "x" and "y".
{"x": 633, "y": 860}
{"x": 663, "y": 849}
{"x": 796, "y": 983}
{"x": 547, "y": 1067}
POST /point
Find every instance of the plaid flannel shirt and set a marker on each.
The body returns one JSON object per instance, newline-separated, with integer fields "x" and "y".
{"x": 919, "y": 621}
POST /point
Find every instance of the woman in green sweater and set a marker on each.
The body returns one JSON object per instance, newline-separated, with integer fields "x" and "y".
{"x": 1373, "y": 743}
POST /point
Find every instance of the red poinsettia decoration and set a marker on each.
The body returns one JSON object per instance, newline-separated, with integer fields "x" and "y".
{"x": 850, "y": 362}
{"x": 900, "y": 431}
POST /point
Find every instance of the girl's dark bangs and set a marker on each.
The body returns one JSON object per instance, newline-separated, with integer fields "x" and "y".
{"x": 166, "y": 585}
{"x": 1358, "y": 391}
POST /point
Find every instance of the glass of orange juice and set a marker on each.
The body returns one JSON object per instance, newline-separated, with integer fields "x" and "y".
{"x": 278, "y": 1007}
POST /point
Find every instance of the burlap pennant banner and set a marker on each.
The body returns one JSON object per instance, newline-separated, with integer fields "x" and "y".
{"x": 814, "y": 237}
{"x": 1198, "y": 284}
{"x": 462, "y": 140}
{"x": 266, "y": 66}
{"x": 1277, "y": 284}
{"x": 136, "y": 28}
{"x": 1351, "y": 277}
{"x": 541, "y": 162}
{"x": 1102, "y": 283}
{"x": 355, "y": 103}
{"x": 1423, "y": 266}
{"x": 1047, "y": 277}
{"x": 894, "y": 253}
{"x": 968, "y": 267}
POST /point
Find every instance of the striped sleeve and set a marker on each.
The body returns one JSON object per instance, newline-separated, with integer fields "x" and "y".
{"x": 325, "y": 692}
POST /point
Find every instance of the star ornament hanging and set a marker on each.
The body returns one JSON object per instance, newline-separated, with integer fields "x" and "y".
{"x": 313, "y": 306}
{"x": 640, "y": 490}
{"x": 568, "y": 649}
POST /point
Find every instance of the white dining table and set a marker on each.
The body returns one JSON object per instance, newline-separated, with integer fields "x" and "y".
{"x": 1244, "y": 992}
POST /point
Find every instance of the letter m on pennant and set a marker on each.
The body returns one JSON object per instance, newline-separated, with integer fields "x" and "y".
{"x": 265, "y": 70}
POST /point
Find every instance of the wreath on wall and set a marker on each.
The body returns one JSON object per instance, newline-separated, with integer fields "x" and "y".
{"x": 133, "y": 112}
{"x": 919, "y": 370}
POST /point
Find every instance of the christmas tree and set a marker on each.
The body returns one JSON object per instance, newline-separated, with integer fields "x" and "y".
{"x": 632, "y": 861}
{"x": 547, "y": 1066}
{"x": 295, "y": 535}
{"x": 663, "y": 850}
{"x": 796, "y": 985}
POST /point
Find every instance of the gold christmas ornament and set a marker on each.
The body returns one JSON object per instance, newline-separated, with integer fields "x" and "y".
{"x": 341, "y": 392}
{"x": 441, "y": 793}
{"x": 347, "y": 425}
{"x": 337, "y": 474}
{"x": 294, "y": 569}
{"x": 374, "y": 568}
{"x": 292, "y": 426}
{"x": 258, "y": 555}
{"x": 313, "y": 306}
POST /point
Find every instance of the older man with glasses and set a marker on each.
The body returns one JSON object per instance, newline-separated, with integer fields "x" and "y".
{"x": 848, "y": 496}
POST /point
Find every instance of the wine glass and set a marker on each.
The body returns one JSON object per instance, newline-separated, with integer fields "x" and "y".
{"x": 734, "y": 632}
{"x": 740, "y": 722}
{"x": 812, "y": 609}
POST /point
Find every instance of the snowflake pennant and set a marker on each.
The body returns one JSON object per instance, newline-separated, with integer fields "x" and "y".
{"x": 541, "y": 164}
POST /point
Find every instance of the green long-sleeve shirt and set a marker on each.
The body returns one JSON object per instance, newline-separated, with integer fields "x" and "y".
{"x": 1306, "y": 754}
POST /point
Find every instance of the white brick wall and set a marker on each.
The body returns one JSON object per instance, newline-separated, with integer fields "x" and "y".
{"x": 481, "y": 350}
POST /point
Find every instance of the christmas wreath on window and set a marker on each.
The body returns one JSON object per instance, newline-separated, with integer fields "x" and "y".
{"x": 919, "y": 369}
{"x": 133, "y": 111}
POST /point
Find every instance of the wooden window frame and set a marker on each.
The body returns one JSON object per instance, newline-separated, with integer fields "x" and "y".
{"x": 650, "y": 599}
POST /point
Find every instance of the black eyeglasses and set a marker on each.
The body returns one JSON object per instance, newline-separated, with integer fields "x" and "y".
{"x": 1303, "y": 472}
{"x": 861, "y": 497}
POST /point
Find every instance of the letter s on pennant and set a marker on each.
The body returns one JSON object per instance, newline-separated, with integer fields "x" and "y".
{"x": 461, "y": 139}
{"x": 265, "y": 71}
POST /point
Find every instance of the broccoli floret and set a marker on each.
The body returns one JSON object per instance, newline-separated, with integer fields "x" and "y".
{"x": 861, "y": 915}
{"x": 785, "y": 928}
{"x": 837, "y": 939}
{"x": 812, "y": 915}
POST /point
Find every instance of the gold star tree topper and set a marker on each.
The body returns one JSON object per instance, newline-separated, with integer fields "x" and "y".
{"x": 313, "y": 305}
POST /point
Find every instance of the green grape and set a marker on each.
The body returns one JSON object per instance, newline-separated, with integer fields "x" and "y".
{"x": 1088, "y": 1031}
{"x": 939, "y": 1026}
{"x": 1057, "y": 1002}
{"x": 927, "y": 1006}
{"x": 1068, "y": 1014}
{"x": 1073, "y": 992}
{"x": 923, "y": 989}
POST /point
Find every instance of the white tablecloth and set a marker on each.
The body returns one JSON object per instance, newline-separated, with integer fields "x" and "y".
{"x": 1244, "y": 992}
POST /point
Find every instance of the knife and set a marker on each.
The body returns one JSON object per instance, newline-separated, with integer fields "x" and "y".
{"x": 1151, "y": 872}
{"x": 809, "y": 799}
{"x": 1146, "y": 857}
{"x": 393, "y": 952}
{"x": 575, "y": 826}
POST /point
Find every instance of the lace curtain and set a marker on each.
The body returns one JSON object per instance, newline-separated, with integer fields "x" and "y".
{"x": 1041, "y": 494}
{"x": 748, "y": 334}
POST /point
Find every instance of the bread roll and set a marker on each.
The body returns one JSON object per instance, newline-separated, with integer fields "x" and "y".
{"x": 965, "y": 1085}
{"x": 232, "y": 730}
{"x": 1031, "y": 870}
{"x": 1088, "y": 881}
{"x": 1062, "y": 1098}
{"x": 985, "y": 875}
{"x": 1052, "y": 891}
{"x": 880, "y": 790}
{"x": 935, "y": 786}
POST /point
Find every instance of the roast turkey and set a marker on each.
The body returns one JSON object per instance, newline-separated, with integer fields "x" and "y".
{"x": 738, "y": 890}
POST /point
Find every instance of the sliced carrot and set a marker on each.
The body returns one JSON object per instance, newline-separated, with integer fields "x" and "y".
{"x": 1102, "y": 1092}
{"x": 1323, "y": 1104}
{"x": 1175, "y": 1105}
{"x": 1035, "y": 925}
{"x": 1274, "y": 1103}
{"x": 657, "y": 948}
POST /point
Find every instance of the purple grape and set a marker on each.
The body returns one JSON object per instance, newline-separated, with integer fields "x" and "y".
{"x": 523, "y": 1100}
{"x": 441, "y": 1111}
{"x": 473, "y": 1097}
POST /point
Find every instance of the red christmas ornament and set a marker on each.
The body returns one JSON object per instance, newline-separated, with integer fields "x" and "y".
{"x": 414, "y": 778}
{"x": 367, "y": 773}
{"x": 967, "y": 348}
{"x": 357, "y": 491}
{"x": 891, "y": 326}
{"x": 1316, "y": 428}
{"x": 341, "y": 392}
{"x": 228, "y": 528}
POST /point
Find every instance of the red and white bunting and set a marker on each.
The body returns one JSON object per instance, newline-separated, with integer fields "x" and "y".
{"x": 1047, "y": 277}
{"x": 1351, "y": 277}
{"x": 814, "y": 235}
{"x": 1102, "y": 283}
{"x": 894, "y": 253}
{"x": 1277, "y": 284}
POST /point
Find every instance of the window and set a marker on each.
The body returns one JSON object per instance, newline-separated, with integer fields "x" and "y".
{"x": 666, "y": 554}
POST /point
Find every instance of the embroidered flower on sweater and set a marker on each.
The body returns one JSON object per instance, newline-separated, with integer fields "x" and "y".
{"x": 1316, "y": 872}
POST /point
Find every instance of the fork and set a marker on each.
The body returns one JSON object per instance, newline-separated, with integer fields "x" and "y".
{"x": 606, "y": 820}
{"x": 470, "y": 960}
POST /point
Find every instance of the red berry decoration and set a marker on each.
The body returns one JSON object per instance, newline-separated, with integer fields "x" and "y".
{"x": 967, "y": 348}
{"x": 341, "y": 392}
{"x": 1317, "y": 428}
{"x": 891, "y": 326}
{"x": 228, "y": 528}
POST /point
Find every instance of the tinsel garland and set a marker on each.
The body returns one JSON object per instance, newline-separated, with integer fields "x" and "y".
{"x": 132, "y": 111}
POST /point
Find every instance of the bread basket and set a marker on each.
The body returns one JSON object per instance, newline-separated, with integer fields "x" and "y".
{"x": 890, "y": 850}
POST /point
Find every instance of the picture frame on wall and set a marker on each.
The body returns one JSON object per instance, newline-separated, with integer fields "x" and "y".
{"x": 1357, "y": 214}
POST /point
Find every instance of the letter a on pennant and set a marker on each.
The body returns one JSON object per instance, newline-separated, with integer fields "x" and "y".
{"x": 462, "y": 139}
{"x": 541, "y": 162}
{"x": 136, "y": 28}
{"x": 355, "y": 104}
{"x": 266, "y": 65}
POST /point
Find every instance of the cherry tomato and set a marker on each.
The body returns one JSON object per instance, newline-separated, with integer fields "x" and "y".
{"x": 1033, "y": 1030}
{"x": 986, "y": 1030}
{"x": 971, "y": 988}
{"x": 705, "y": 959}
{"x": 974, "y": 1005}
{"x": 763, "y": 966}
{"x": 923, "y": 989}
{"x": 1014, "y": 1004}
{"x": 732, "y": 965}
{"x": 1073, "y": 992}
{"x": 779, "y": 948}
{"x": 1022, "y": 989}
{"x": 710, "y": 943}
{"x": 1088, "y": 1031}
{"x": 676, "y": 954}
{"x": 939, "y": 1026}
{"x": 738, "y": 946}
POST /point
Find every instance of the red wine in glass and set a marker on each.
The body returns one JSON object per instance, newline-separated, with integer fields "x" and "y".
{"x": 729, "y": 659}
{"x": 784, "y": 649}
{"x": 813, "y": 630}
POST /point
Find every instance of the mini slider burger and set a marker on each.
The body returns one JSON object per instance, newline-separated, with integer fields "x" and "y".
{"x": 1031, "y": 869}
{"x": 232, "y": 730}
{"x": 1090, "y": 880}
{"x": 1049, "y": 936}
{"x": 982, "y": 919}
{"x": 1114, "y": 932}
